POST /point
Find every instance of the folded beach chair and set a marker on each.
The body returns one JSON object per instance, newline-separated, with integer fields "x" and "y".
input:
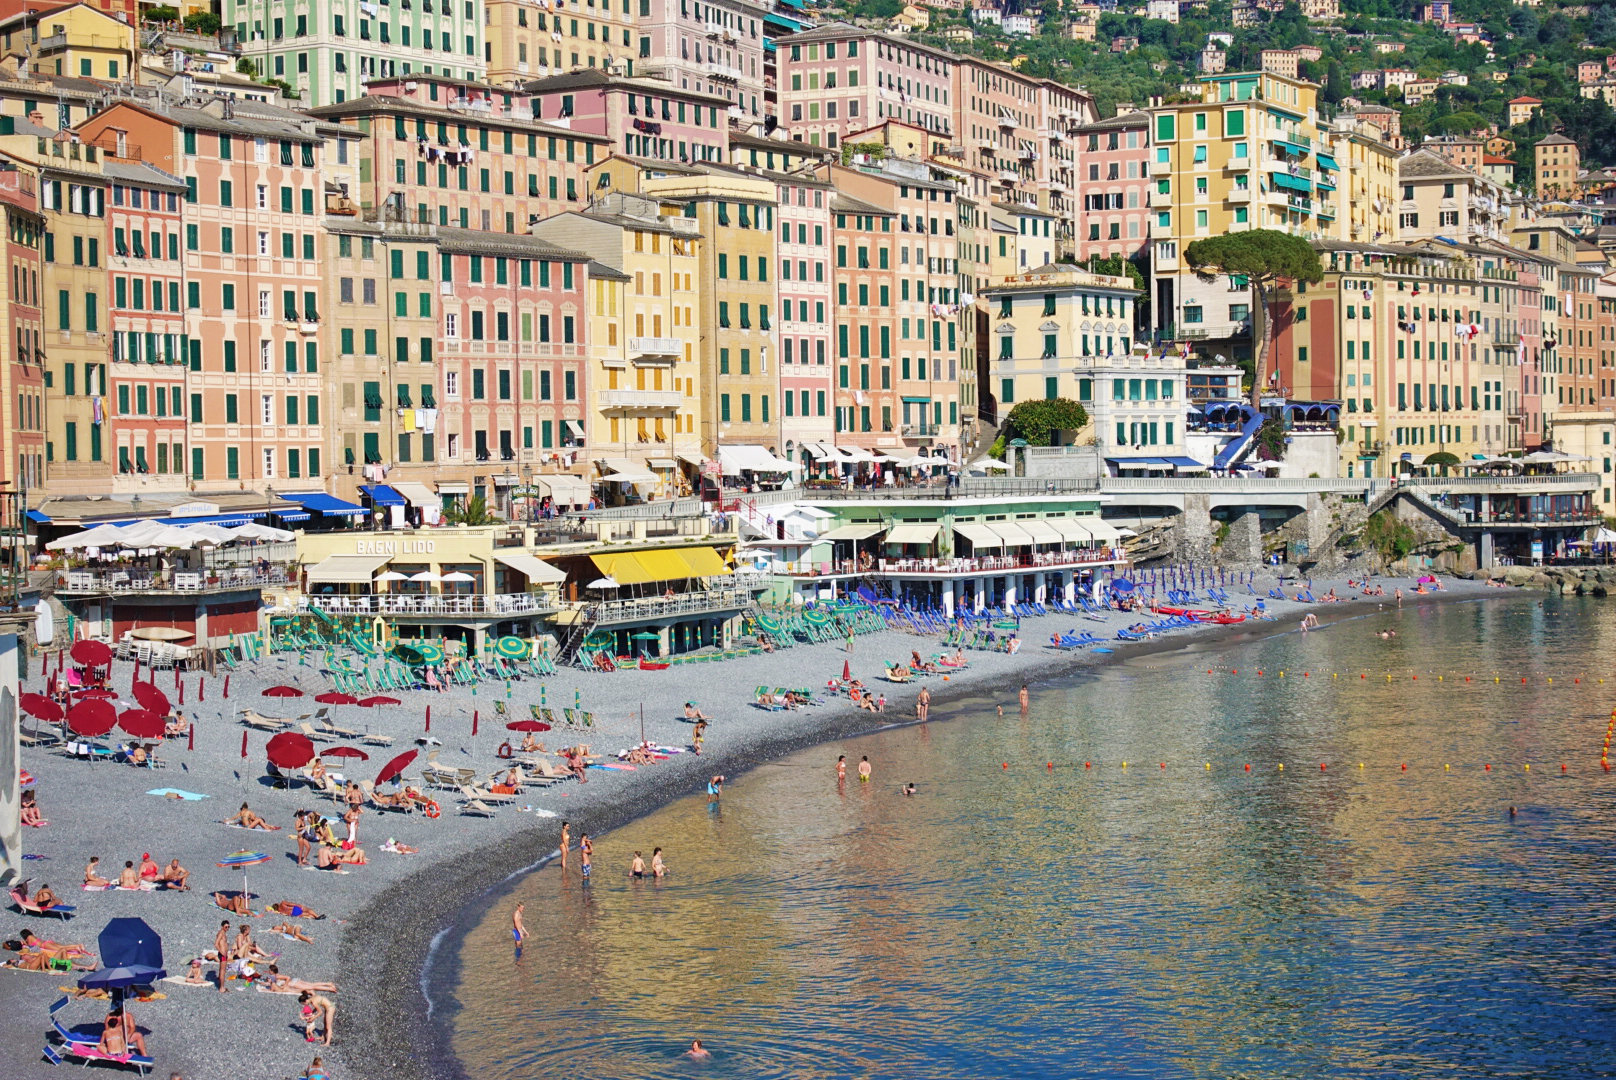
{"x": 477, "y": 807}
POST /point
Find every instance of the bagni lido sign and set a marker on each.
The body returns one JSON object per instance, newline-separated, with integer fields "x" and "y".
{"x": 395, "y": 547}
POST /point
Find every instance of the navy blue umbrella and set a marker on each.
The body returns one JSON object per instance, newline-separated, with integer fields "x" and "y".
{"x": 129, "y": 942}
{"x": 1121, "y": 585}
{"x": 119, "y": 978}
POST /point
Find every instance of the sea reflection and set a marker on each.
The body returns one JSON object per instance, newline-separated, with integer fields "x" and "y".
{"x": 1067, "y": 916}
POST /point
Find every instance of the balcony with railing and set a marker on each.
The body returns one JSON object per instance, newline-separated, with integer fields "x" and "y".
{"x": 498, "y": 605}
{"x": 610, "y": 612}
{"x": 964, "y": 566}
{"x": 656, "y": 346}
{"x": 213, "y": 579}
{"x": 656, "y": 400}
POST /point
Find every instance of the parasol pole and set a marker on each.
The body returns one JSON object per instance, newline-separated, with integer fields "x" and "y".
{"x": 642, "y": 723}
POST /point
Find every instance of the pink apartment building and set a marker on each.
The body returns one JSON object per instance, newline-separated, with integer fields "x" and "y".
{"x": 513, "y": 348}
{"x": 706, "y": 47}
{"x": 1113, "y": 190}
{"x": 642, "y": 118}
{"x": 1000, "y": 122}
{"x": 148, "y": 417}
{"x": 807, "y": 310}
{"x": 839, "y": 78}
{"x": 255, "y": 188}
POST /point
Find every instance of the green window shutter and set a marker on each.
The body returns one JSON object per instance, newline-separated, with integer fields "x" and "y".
{"x": 1165, "y": 128}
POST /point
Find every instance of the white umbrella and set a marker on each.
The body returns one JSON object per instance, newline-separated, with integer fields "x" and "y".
{"x": 210, "y": 533}
{"x": 160, "y": 633}
{"x": 254, "y": 531}
{"x": 100, "y": 536}
{"x": 392, "y": 575}
{"x": 986, "y": 464}
{"x": 425, "y": 575}
{"x": 456, "y": 576}
{"x": 603, "y": 583}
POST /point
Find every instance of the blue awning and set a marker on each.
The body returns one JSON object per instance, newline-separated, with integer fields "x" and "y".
{"x": 1296, "y": 183}
{"x": 382, "y": 495}
{"x": 35, "y": 515}
{"x": 1187, "y": 463}
{"x": 321, "y": 503}
{"x": 294, "y": 515}
{"x": 228, "y": 520}
{"x": 1140, "y": 462}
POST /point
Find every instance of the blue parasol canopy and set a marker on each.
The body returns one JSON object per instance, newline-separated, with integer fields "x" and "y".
{"x": 119, "y": 978}
{"x": 1121, "y": 585}
{"x": 129, "y": 942}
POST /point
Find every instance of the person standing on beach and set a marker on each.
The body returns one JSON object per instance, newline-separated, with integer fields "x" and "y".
{"x": 518, "y": 928}
{"x": 585, "y": 850}
{"x": 715, "y": 789}
{"x": 864, "y": 770}
{"x": 566, "y": 842}
{"x": 221, "y": 948}
{"x": 1025, "y": 698}
{"x": 841, "y": 768}
{"x": 923, "y": 705}
{"x": 659, "y": 869}
{"x": 636, "y": 866}
{"x": 850, "y": 641}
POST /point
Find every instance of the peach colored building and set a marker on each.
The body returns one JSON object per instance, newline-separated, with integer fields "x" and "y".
{"x": 22, "y": 382}
{"x": 254, "y": 188}
{"x": 839, "y": 78}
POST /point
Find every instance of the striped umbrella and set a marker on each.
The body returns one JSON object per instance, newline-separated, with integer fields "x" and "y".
{"x": 512, "y": 648}
{"x": 243, "y": 859}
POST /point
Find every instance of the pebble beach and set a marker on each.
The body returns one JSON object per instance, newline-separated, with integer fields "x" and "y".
{"x": 386, "y": 919}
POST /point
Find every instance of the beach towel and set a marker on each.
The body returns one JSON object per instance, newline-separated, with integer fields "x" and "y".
{"x": 228, "y": 825}
{"x": 319, "y": 870}
{"x": 188, "y": 796}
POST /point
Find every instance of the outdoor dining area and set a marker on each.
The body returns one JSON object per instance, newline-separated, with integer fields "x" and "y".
{"x": 154, "y": 556}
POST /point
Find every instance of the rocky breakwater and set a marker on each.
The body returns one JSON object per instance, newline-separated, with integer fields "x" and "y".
{"x": 1565, "y": 580}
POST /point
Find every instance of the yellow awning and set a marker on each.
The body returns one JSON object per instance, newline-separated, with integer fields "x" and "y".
{"x": 704, "y": 562}
{"x": 625, "y": 569}
{"x": 663, "y": 565}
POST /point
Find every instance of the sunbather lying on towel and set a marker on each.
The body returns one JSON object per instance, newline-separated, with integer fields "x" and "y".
{"x": 693, "y": 713}
{"x": 330, "y": 858}
{"x": 249, "y": 820}
{"x": 283, "y": 984}
{"x": 48, "y": 959}
{"x": 293, "y": 910}
{"x": 293, "y": 931}
{"x": 235, "y": 903}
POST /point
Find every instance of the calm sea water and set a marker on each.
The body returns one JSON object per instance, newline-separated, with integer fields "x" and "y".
{"x": 1111, "y": 922}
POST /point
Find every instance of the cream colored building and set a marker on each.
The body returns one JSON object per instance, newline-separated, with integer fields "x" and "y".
{"x": 1442, "y": 200}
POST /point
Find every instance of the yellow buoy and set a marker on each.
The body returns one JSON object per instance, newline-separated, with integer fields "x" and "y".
{"x": 1281, "y": 766}
{"x": 1209, "y": 766}
{"x": 1360, "y": 765}
{"x": 1445, "y": 768}
{"x": 1528, "y": 766}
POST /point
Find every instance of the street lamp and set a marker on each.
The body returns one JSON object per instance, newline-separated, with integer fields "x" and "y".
{"x": 510, "y": 494}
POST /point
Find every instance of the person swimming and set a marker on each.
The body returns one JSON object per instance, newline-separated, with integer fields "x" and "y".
{"x": 697, "y": 1051}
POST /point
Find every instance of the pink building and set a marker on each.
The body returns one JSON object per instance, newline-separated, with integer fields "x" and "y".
{"x": 513, "y": 347}
{"x": 148, "y": 323}
{"x": 840, "y": 78}
{"x": 640, "y": 117}
{"x": 1114, "y": 187}
{"x": 808, "y": 407}
{"x": 1000, "y": 113}
{"x": 706, "y": 46}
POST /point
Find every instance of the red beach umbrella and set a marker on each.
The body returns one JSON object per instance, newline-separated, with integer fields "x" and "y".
{"x": 347, "y": 752}
{"x": 372, "y": 702}
{"x": 91, "y": 653}
{"x": 847, "y": 671}
{"x": 290, "y": 750}
{"x": 396, "y": 767}
{"x": 151, "y": 698}
{"x": 143, "y": 724}
{"x": 333, "y": 697}
{"x": 283, "y": 691}
{"x": 92, "y": 718}
{"x": 41, "y": 707}
{"x": 526, "y": 725}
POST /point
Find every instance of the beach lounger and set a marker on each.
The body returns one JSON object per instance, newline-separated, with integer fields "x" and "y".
{"x": 314, "y": 733}
{"x": 535, "y": 712}
{"x": 376, "y": 740}
{"x": 485, "y": 795}
{"x": 333, "y": 730}
{"x": 477, "y": 807}
{"x": 262, "y": 723}
{"x": 28, "y": 907}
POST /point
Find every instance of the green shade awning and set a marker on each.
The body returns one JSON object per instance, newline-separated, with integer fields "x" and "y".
{"x": 1295, "y": 183}
{"x": 1326, "y": 162}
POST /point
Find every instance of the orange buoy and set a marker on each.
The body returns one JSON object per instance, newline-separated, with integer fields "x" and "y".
{"x": 1164, "y": 765}
{"x": 1487, "y": 768}
{"x": 1248, "y": 768}
{"x": 1005, "y": 764}
{"x": 1321, "y": 766}
{"x": 1405, "y": 766}
{"x": 1088, "y": 764}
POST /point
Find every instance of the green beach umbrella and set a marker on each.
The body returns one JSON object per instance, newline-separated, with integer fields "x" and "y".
{"x": 512, "y": 648}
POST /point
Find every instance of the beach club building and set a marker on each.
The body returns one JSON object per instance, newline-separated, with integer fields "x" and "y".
{"x": 468, "y": 583}
{"x": 948, "y": 554}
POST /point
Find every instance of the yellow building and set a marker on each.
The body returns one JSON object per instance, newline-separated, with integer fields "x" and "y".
{"x": 1368, "y": 178}
{"x": 737, "y": 381}
{"x": 1559, "y": 163}
{"x": 531, "y": 41}
{"x": 1244, "y": 153}
{"x": 80, "y": 41}
{"x": 645, "y": 387}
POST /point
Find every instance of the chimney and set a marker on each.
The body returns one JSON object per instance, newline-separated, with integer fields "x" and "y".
{"x": 37, "y": 117}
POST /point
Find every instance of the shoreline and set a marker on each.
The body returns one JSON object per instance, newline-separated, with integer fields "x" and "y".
{"x": 405, "y": 959}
